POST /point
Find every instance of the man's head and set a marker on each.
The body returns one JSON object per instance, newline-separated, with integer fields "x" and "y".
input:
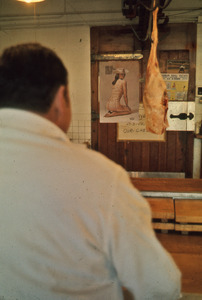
{"x": 33, "y": 78}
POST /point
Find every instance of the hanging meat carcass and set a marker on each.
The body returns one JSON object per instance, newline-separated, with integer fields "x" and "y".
{"x": 155, "y": 97}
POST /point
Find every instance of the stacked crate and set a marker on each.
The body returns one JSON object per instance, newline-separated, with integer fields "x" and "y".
{"x": 188, "y": 215}
{"x": 176, "y": 204}
{"x": 162, "y": 213}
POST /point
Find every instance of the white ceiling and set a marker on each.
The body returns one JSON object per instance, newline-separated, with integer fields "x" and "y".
{"x": 56, "y": 13}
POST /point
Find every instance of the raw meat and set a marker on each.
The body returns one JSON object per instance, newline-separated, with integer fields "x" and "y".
{"x": 155, "y": 97}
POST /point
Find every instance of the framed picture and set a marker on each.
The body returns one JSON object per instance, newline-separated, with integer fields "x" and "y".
{"x": 119, "y": 91}
{"x": 136, "y": 131}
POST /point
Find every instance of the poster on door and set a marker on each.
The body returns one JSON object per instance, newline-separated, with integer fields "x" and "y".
{"x": 119, "y": 91}
{"x": 136, "y": 131}
{"x": 177, "y": 86}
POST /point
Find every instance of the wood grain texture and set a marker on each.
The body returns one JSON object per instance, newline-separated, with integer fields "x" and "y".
{"x": 185, "y": 228}
{"x": 188, "y": 211}
{"x": 163, "y": 226}
{"x": 162, "y": 208}
{"x": 181, "y": 185}
{"x": 186, "y": 250}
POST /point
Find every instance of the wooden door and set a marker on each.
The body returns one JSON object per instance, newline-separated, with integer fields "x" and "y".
{"x": 176, "y": 153}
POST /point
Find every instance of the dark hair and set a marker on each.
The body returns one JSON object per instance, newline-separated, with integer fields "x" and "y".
{"x": 115, "y": 79}
{"x": 30, "y": 75}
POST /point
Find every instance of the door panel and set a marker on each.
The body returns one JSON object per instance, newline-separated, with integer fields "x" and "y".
{"x": 173, "y": 155}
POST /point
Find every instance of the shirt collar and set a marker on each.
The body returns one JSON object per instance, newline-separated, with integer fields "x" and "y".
{"x": 30, "y": 122}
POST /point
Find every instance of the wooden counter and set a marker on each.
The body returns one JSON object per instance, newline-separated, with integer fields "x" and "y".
{"x": 175, "y": 215}
{"x": 180, "y": 185}
{"x": 176, "y": 203}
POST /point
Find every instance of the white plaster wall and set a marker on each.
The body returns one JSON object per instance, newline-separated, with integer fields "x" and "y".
{"x": 198, "y": 110}
{"x": 72, "y": 44}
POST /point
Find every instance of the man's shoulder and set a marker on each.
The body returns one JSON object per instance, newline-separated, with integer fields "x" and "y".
{"x": 95, "y": 159}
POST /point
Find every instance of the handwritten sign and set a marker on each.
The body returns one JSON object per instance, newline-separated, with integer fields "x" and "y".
{"x": 136, "y": 131}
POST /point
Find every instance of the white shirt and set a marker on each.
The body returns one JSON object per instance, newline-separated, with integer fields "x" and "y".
{"x": 72, "y": 226}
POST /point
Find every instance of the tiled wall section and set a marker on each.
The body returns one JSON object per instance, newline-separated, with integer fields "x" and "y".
{"x": 80, "y": 129}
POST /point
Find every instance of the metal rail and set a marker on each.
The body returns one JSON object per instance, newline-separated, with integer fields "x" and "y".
{"x": 174, "y": 195}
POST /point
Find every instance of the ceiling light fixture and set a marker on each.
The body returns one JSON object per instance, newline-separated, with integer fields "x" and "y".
{"x": 31, "y": 1}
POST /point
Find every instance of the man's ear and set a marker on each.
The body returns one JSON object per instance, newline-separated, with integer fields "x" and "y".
{"x": 58, "y": 104}
{"x": 56, "y": 107}
{"x": 59, "y": 112}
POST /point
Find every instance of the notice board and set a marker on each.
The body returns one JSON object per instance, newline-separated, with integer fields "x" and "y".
{"x": 136, "y": 131}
